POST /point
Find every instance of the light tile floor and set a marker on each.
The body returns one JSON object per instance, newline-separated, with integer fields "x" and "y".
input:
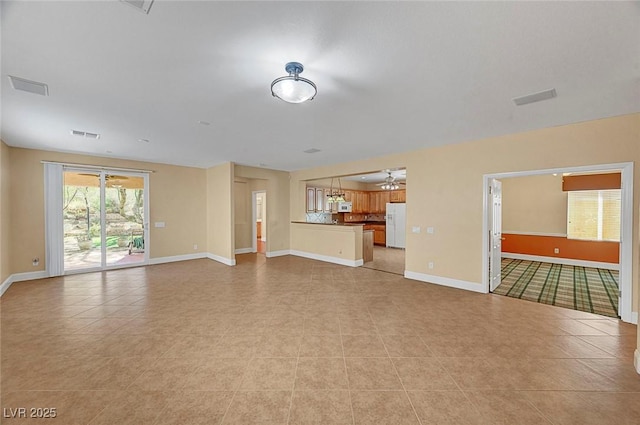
{"x": 385, "y": 259}
{"x": 294, "y": 341}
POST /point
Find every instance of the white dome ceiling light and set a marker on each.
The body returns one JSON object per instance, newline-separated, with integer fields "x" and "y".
{"x": 293, "y": 88}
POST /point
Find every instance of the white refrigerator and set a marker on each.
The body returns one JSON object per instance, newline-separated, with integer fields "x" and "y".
{"x": 396, "y": 225}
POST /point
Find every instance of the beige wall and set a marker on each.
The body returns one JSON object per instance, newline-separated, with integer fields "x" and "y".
{"x": 534, "y": 204}
{"x": 345, "y": 184}
{"x": 276, "y": 185}
{"x": 343, "y": 242}
{"x": 5, "y": 220}
{"x": 444, "y": 190}
{"x": 220, "y": 215}
{"x": 242, "y": 213}
{"x": 177, "y": 197}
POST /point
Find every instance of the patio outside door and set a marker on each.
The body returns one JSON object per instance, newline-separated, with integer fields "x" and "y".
{"x": 104, "y": 216}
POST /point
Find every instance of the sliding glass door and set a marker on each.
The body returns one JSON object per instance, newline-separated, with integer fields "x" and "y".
{"x": 103, "y": 219}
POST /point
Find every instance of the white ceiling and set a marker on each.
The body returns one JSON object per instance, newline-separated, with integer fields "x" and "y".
{"x": 379, "y": 177}
{"x": 391, "y": 76}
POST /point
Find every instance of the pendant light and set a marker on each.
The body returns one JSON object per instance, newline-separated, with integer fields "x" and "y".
{"x": 335, "y": 196}
{"x": 292, "y": 88}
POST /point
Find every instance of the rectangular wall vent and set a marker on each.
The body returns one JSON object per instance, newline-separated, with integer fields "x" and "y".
{"x": 535, "y": 97}
{"x": 312, "y": 150}
{"x": 141, "y": 5}
{"x": 29, "y": 86}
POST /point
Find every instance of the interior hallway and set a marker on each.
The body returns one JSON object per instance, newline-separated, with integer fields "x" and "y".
{"x": 289, "y": 340}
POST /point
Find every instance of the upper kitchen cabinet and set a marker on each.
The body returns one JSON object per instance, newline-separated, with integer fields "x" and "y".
{"x": 317, "y": 200}
{"x": 378, "y": 202}
{"x": 361, "y": 204}
{"x": 311, "y": 199}
{"x": 398, "y": 196}
{"x": 359, "y": 201}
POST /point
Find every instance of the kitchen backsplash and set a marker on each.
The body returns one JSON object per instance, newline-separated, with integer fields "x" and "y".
{"x": 351, "y": 218}
{"x": 319, "y": 218}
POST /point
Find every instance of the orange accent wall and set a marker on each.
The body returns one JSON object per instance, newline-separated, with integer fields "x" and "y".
{"x": 606, "y": 252}
{"x": 592, "y": 182}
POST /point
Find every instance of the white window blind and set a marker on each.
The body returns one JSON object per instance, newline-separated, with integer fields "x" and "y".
{"x": 594, "y": 215}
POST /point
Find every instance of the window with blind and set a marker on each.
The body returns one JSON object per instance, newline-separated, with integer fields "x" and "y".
{"x": 594, "y": 215}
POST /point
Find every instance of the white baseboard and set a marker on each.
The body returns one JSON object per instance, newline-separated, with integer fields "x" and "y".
{"x": 328, "y": 259}
{"x": 20, "y": 277}
{"x": 5, "y": 285}
{"x": 223, "y": 260}
{"x": 271, "y": 254}
{"x": 244, "y": 250}
{"x": 445, "y": 281}
{"x": 565, "y": 261}
{"x": 173, "y": 258}
{"x": 636, "y": 360}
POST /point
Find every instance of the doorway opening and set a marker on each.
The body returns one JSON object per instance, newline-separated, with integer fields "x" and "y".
{"x": 103, "y": 219}
{"x": 259, "y": 220}
{"x": 561, "y": 262}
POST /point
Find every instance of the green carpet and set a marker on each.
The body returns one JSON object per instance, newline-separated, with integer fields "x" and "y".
{"x": 579, "y": 288}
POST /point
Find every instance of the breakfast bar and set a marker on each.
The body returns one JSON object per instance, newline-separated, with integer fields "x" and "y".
{"x": 340, "y": 243}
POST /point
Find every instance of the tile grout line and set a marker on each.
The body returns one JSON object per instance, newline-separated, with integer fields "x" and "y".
{"x": 295, "y": 377}
{"x": 235, "y": 392}
{"x": 406, "y": 393}
{"x": 344, "y": 360}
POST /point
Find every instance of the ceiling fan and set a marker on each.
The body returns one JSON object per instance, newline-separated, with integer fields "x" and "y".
{"x": 390, "y": 183}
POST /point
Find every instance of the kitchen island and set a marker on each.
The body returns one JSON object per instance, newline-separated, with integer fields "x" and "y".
{"x": 334, "y": 243}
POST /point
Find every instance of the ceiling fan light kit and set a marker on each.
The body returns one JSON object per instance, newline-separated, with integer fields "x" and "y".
{"x": 292, "y": 88}
{"x": 389, "y": 183}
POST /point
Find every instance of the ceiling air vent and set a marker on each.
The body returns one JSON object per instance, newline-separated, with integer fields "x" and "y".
{"x": 141, "y": 5}
{"x": 535, "y": 97}
{"x": 29, "y": 86}
{"x": 312, "y": 150}
{"x": 85, "y": 134}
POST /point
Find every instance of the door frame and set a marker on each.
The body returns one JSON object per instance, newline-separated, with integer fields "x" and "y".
{"x": 254, "y": 226}
{"x": 102, "y": 172}
{"x": 626, "y": 226}
{"x": 493, "y": 211}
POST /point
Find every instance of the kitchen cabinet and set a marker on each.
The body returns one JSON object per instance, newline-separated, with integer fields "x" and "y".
{"x": 311, "y": 199}
{"x": 320, "y": 199}
{"x": 378, "y": 202}
{"x": 317, "y": 200}
{"x": 361, "y": 204}
{"x": 359, "y": 201}
{"x": 398, "y": 196}
{"x": 379, "y": 234}
{"x": 373, "y": 203}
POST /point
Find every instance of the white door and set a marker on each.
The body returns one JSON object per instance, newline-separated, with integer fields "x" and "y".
{"x": 495, "y": 234}
{"x": 104, "y": 219}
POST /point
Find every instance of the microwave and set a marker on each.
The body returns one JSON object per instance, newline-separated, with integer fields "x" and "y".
{"x": 344, "y": 206}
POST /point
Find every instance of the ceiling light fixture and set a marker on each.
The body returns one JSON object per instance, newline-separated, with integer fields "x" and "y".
{"x": 389, "y": 183}
{"x": 293, "y": 88}
{"x": 335, "y": 195}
